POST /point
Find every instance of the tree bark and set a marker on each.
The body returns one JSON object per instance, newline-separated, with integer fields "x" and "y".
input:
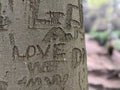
{"x": 42, "y": 45}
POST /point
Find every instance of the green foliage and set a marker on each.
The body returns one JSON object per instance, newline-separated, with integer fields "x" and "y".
{"x": 117, "y": 33}
{"x": 102, "y": 38}
{"x": 97, "y": 2}
{"x": 101, "y": 35}
{"x": 116, "y": 44}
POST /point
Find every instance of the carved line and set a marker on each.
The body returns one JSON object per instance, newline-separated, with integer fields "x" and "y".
{"x": 37, "y": 81}
{"x": 58, "y": 80}
{"x": 76, "y": 57}
{"x": 12, "y": 39}
{"x": 57, "y": 33}
{"x": 10, "y": 2}
{"x": 3, "y": 85}
{"x": 44, "y": 67}
{"x": 79, "y": 80}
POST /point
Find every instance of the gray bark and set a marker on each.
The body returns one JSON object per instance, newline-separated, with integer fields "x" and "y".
{"x": 42, "y": 45}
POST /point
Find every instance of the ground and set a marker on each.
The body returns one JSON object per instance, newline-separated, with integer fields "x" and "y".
{"x": 103, "y": 70}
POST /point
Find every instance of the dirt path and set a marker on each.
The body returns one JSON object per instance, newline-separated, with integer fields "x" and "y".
{"x": 104, "y": 71}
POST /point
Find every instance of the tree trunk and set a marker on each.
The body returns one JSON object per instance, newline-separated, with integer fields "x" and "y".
{"x": 42, "y": 45}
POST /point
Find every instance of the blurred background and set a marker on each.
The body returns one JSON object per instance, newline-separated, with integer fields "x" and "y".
{"x": 102, "y": 28}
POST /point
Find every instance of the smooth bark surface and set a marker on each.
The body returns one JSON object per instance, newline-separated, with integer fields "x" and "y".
{"x": 42, "y": 45}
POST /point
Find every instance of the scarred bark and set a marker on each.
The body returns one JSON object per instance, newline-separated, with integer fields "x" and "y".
{"x": 42, "y": 45}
